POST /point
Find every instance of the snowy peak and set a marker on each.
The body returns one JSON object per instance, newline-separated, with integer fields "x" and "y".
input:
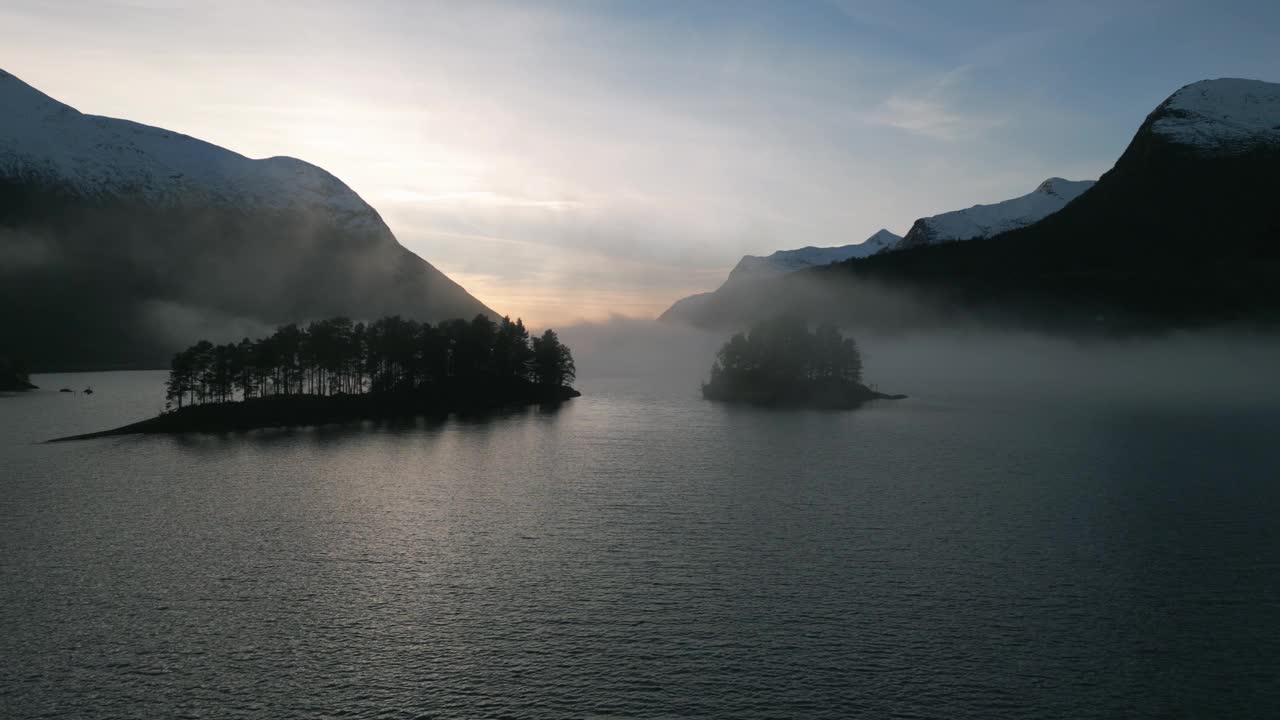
{"x": 883, "y": 235}
{"x": 45, "y": 140}
{"x": 781, "y": 262}
{"x": 1068, "y": 190}
{"x": 982, "y": 221}
{"x": 882, "y": 240}
{"x": 1224, "y": 116}
{"x": 784, "y": 261}
{"x": 179, "y": 235}
{"x": 21, "y": 98}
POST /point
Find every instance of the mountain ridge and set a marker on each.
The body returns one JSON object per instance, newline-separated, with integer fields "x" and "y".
{"x": 121, "y": 233}
{"x": 986, "y": 220}
{"x": 755, "y": 267}
{"x": 1129, "y": 255}
{"x": 44, "y": 138}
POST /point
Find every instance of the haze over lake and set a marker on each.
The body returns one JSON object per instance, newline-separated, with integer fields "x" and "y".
{"x": 550, "y": 359}
{"x": 1029, "y": 534}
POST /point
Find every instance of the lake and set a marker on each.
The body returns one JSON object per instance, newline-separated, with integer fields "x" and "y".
{"x": 1030, "y": 543}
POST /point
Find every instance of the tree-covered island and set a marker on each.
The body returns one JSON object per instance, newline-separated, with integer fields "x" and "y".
{"x": 781, "y": 363}
{"x": 13, "y": 374}
{"x": 336, "y": 370}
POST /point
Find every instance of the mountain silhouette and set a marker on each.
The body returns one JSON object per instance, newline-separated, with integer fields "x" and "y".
{"x": 121, "y": 241}
{"x": 1182, "y": 231}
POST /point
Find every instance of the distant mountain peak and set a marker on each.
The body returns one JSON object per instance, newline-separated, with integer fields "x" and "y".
{"x": 1057, "y": 187}
{"x": 784, "y": 261}
{"x": 1181, "y": 232}
{"x": 781, "y": 262}
{"x": 980, "y": 221}
{"x": 1223, "y": 116}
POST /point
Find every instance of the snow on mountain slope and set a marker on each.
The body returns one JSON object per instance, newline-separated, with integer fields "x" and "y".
{"x": 753, "y": 267}
{"x": 1228, "y": 116}
{"x": 784, "y": 261}
{"x": 986, "y": 220}
{"x": 129, "y": 240}
{"x": 1224, "y": 116}
{"x": 43, "y": 139}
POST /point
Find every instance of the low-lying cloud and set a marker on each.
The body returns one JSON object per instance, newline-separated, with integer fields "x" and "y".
{"x": 1182, "y": 370}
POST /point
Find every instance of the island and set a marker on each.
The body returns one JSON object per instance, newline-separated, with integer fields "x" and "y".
{"x": 13, "y": 374}
{"x": 336, "y": 371}
{"x": 781, "y": 363}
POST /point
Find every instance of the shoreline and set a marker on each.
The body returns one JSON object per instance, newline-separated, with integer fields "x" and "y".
{"x": 818, "y": 395}
{"x": 312, "y": 410}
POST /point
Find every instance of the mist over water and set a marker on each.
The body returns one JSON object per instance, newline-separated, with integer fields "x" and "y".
{"x": 1212, "y": 368}
{"x": 1070, "y": 510}
{"x": 1045, "y": 528}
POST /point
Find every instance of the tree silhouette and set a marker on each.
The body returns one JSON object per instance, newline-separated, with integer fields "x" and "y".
{"x": 14, "y": 374}
{"x": 552, "y": 361}
{"x": 511, "y": 353}
{"x": 779, "y": 360}
{"x": 389, "y": 355}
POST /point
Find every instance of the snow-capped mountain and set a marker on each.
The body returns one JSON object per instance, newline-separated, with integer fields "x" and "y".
{"x": 1181, "y": 232}
{"x": 784, "y": 261}
{"x": 118, "y": 241}
{"x": 1212, "y": 117}
{"x": 44, "y": 140}
{"x": 755, "y": 267}
{"x": 1224, "y": 116}
{"x": 982, "y": 221}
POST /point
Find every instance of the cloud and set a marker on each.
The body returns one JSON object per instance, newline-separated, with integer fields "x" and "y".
{"x": 576, "y": 147}
{"x": 921, "y": 116}
{"x": 479, "y": 198}
{"x": 934, "y": 112}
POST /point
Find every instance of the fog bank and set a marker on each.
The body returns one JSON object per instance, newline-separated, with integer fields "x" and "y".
{"x": 1210, "y": 368}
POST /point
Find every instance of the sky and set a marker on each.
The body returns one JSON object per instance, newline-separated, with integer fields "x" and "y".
{"x": 582, "y": 159}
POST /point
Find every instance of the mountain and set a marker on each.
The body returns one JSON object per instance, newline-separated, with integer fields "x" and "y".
{"x": 785, "y": 261}
{"x": 1220, "y": 118}
{"x": 1181, "y": 232}
{"x": 752, "y": 268}
{"x": 982, "y": 221}
{"x": 120, "y": 242}
{"x": 978, "y": 221}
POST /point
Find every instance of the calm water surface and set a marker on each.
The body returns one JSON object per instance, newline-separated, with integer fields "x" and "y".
{"x": 640, "y": 553}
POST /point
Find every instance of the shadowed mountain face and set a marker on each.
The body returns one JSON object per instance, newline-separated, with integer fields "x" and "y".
{"x": 119, "y": 242}
{"x": 1183, "y": 231}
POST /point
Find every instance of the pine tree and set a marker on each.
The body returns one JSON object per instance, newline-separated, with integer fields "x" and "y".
{"x": 552, "y": 362}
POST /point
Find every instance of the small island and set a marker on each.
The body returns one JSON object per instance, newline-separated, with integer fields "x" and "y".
{"x": 780, "y": 363}
{"x": 336, "y": 370}
{"x": 13, "y": 374}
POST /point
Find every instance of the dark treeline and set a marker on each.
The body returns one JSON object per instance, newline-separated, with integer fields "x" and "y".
{"x": 389, "y": 355}
{"x": 13, "y": 373}
{"x": 783, "y": 350}
{"x": 781, "y": 362}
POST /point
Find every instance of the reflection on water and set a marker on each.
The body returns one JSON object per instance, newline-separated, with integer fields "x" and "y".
{"x": 639, "y": 553}
{"x": 333, "y": 435}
